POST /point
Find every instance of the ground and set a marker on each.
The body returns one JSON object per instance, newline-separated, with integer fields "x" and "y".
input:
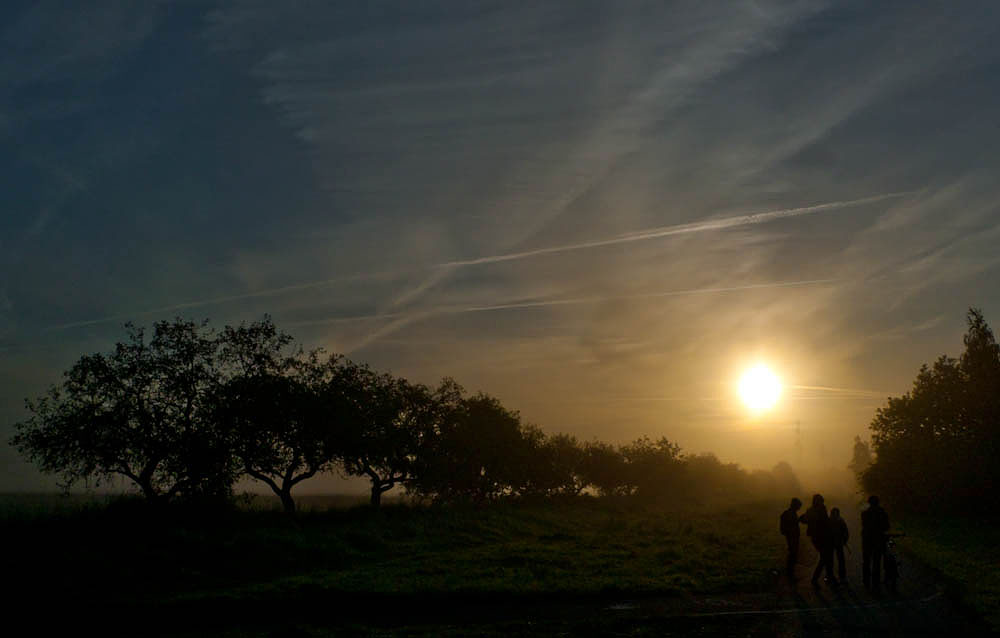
{"x": 590, "y": 567}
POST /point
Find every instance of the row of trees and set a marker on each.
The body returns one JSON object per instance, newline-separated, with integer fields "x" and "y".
{"x": 188, "y": 412}
{"x": 938, "y": 445}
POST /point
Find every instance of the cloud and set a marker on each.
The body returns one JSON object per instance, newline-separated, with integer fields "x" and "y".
{"x": 552, "y": 202}
{"x": 695, "y": 227}
{"x": 442, "y": 269}
{"x": 400, "y": 319}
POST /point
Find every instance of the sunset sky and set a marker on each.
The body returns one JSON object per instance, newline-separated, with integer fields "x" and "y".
{"x": 600, "y": 212}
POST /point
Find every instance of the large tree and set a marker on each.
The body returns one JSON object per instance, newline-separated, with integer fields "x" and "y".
{"x": 937, "y": 444}
{"x": 282, "y": 408}
{"x": 653, "y": 467}
{"x": 478, "y": 450}
{"x": 604, "y": 468}
{"x": 142, "y": 412}
{"x": 556, "y": 466}
{"x": 392, "y": 420}
{"x": 861, "y": 457}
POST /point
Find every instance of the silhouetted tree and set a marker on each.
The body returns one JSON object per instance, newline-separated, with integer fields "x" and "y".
{"x": 785, "y": 480}
{"x": 560, "y": 464}
{"x": 653, "y": 468}
{"x": 861, "y": 458}
{"x": 938, "y": 443}
{"x": 604, "y": 468}
{"x": 141, "y": 412}
{"x": 283, "y": 410}
{"x": 392, "y": 419}
{"x": 707, "y": 478}
{"x": 479, "y": 451}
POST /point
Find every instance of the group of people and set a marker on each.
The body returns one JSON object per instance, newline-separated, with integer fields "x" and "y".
{"x": 829, "y": 535}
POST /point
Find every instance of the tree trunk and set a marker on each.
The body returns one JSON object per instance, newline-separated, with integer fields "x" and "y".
{"x": 149, "y": 492}
{"x": 287, "y": 502}
{"x": 376, "y": 494}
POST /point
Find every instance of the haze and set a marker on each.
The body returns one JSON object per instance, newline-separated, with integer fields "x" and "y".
{"x": 602, "y": 213}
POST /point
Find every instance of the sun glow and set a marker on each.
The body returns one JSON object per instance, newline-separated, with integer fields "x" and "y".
{"x": 759, "y": 388}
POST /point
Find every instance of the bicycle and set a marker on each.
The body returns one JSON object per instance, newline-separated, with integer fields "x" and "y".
{"x": 891, "y": 562}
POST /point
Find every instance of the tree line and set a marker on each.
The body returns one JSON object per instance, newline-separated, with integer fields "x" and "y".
{"x": 186, "y": 412}
{"x": 938, "y": 446}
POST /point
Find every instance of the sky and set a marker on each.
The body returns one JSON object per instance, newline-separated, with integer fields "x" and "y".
{"x": 600, "y": 213}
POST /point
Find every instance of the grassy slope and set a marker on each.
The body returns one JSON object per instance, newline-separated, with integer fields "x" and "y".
{"x": 571, "y": 549}
{"x": 966, "y": 552}
{"x": 574, "y": 548}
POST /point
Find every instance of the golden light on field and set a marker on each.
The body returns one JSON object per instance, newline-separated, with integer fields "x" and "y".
{"x": 759, "y": 388}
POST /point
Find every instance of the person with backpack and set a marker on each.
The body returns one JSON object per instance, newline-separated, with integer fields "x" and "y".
{"x": 789, "y": 528}
{"x": 838, "y": 539}
{"x": 818, "y": 529}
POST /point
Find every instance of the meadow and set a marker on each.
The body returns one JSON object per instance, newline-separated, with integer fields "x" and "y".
{"x": 964, "y": 551}
{"x": 361, "y": 566}
{"x": 341, "y": 568}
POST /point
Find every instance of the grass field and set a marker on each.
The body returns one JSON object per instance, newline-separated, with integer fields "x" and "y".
{"x": 123, "y": 555}
{"x": 965, "y": 552}
{"x": 416, "y": 571}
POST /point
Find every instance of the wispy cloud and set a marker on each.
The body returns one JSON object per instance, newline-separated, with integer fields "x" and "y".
{"x": 213, "y": 301}
{"x": 680, "y": 229}
{"x": 400, "y": 319}
{"x": 515, "y": 189}
{"x": 843, "y": 392}
{"x": 442, "y": 269}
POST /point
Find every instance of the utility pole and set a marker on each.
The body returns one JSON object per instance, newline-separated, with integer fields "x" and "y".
{"x": 798, "y": 445}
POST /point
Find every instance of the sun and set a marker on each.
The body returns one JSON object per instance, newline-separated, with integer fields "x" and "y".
{"x": 759, "y": 388}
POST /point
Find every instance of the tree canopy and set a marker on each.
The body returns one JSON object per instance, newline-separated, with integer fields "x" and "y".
{"x": 142, "y": 412}
{"x": 189, "y": 411}
{"x": 937, "y": 445}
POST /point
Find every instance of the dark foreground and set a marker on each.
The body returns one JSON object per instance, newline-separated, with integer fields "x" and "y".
{"x": 921, "y": 607}
{"x": 587, "y": 568}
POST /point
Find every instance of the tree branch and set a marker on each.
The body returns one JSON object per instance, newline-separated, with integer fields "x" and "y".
{"x": 264, "y": 478}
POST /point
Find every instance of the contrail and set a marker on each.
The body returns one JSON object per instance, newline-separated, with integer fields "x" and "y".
{"x": 404, "y": 318}
{"x": 694, "y": 227}
{"x": 225, "y": 299}
{"x": 648, "y": 295}
{"x": 875, "y": 394}
{"x": 651, "y": 233}
{"x": 389, "y": 328}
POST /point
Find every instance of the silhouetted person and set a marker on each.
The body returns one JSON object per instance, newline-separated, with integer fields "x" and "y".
{"x": 838, "y": 539}
{"x": 874, "y": 526}
{"x": 790, "y": 530}
{"x": 818, "y": 529}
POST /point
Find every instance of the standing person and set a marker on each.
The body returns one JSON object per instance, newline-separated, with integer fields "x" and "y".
{"x": 838, "y": 538}
{"x": 818, "y": 529}
{"x": 790, "y": 530}
{"x": 874, "y": 527}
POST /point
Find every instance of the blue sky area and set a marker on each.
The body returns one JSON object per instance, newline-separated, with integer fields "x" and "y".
{"x": 598, "y": 211}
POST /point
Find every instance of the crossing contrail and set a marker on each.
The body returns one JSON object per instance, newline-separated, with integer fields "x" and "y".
{"x": 403, "y": 318}
{"x": 678, "y": 229}
{"x": 641, "y": 235}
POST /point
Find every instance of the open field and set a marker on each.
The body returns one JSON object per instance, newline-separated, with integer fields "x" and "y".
{"x": 965, "y": 552}
{"x": 124, "y": 555}
{"x": 582, "y": 566}
{"x": 577, "y": 547}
